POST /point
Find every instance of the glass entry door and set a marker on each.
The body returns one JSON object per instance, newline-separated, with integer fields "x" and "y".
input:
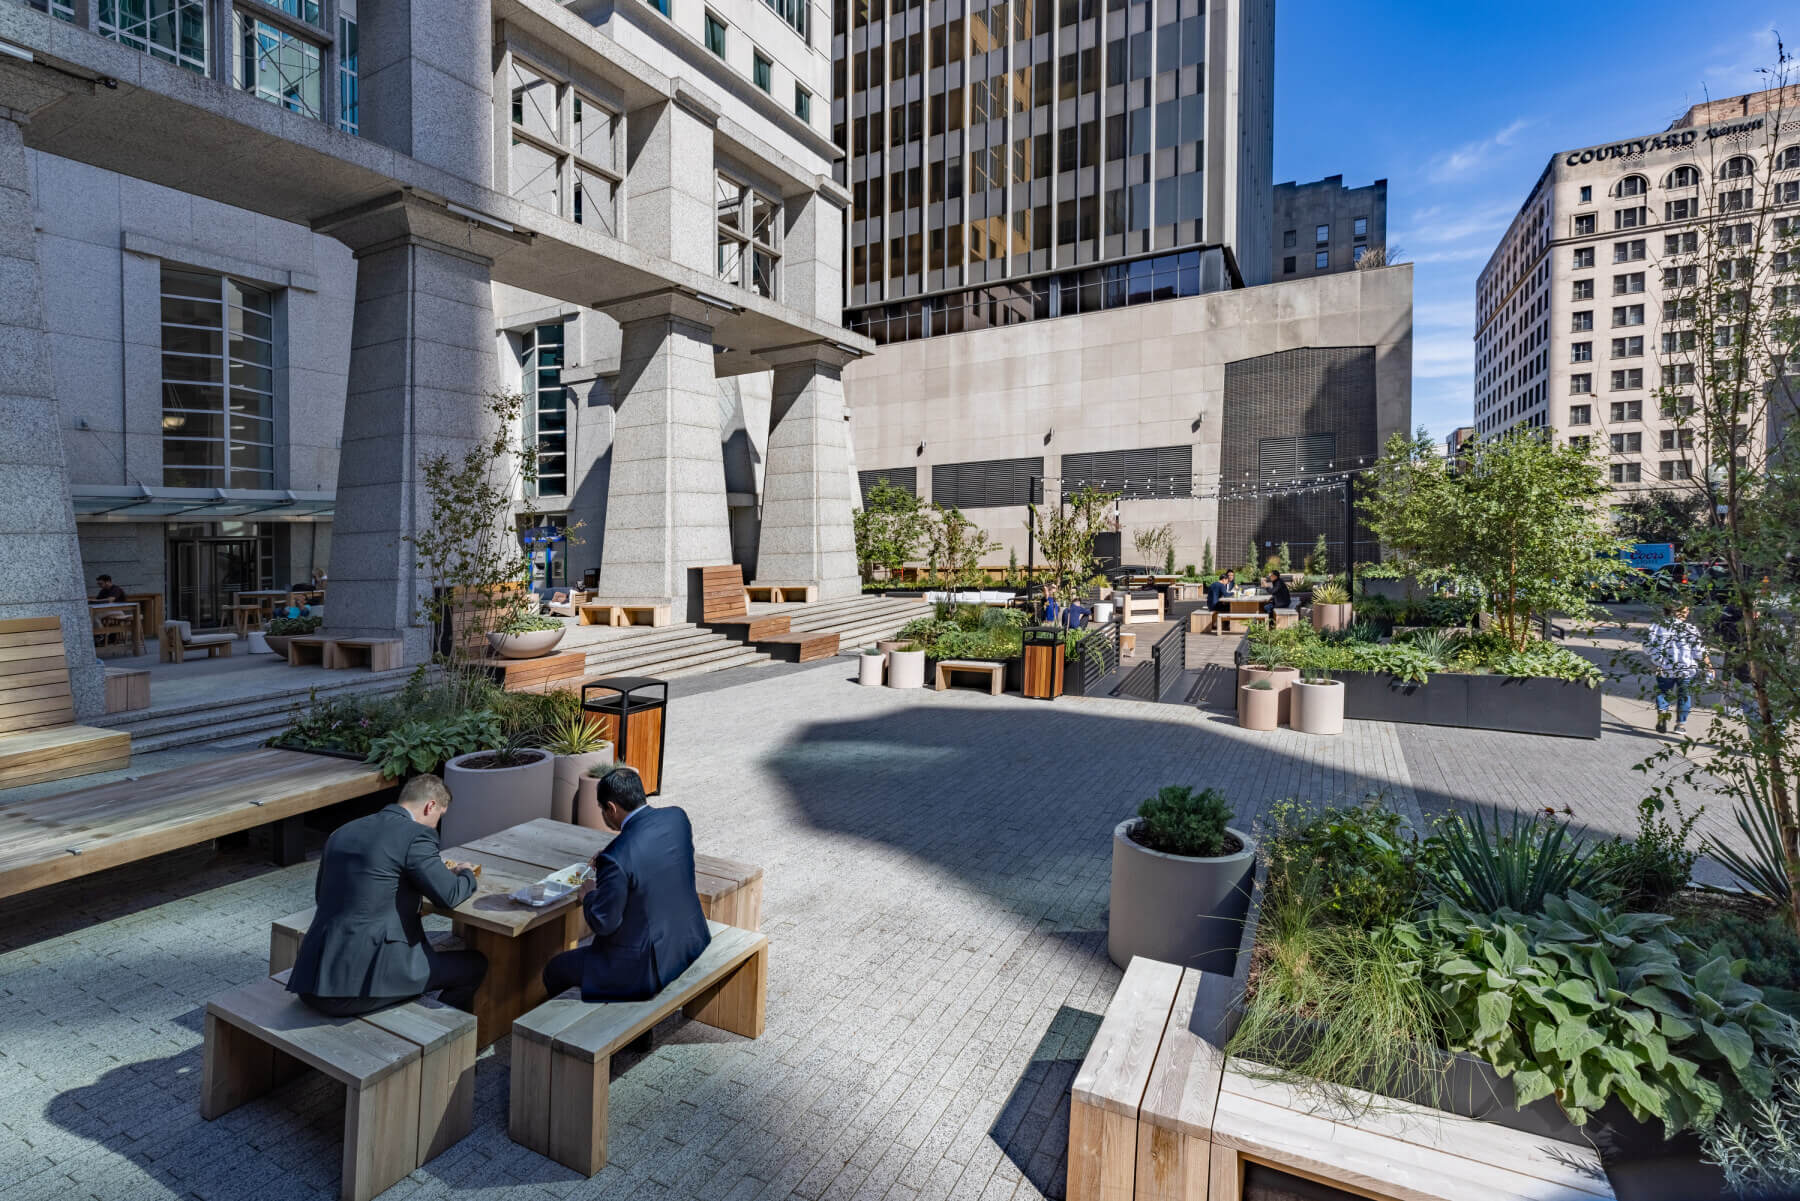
{"x": 204, "y": 572}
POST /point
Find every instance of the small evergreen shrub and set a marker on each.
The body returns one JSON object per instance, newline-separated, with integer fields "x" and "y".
{"x": 1180, "y": 821}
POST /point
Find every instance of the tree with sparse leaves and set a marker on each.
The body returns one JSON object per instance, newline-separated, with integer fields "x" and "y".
{"x": 1066, "y": 534}
{"x": 889, "y": 529}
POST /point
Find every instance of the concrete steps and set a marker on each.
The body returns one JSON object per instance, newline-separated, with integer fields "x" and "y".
{"x": 238, "y": 719}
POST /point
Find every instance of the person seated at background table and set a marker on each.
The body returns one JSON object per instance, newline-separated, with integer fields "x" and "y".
{"x": 296, "y": 607}
{"x": 1279, "y": 596}
{"x": 1219, "y": 589}
{"x": 646, "y": 917}
{"x": 108, "y": 592}
{"x": 366, "y": 948}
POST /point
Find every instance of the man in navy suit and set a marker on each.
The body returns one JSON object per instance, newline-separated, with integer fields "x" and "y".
{"x": 645, "y": 915}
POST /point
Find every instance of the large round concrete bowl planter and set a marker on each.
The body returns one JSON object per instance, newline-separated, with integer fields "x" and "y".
{"x": 906, "y": 669}
{"x": 278, "y": 644}
{"x": 530, "y": 645}
{"x": 486, "y": 800}
{"x": 566, "y": 777}
{"x": 1258, "y": 708}
{"x": 1332, "y": 617}
{"x": 1177, "y": 908}
{"x": 1316, "y": 707}
{"x": 1281, "y": 677}
{"x": 868, "y": 669}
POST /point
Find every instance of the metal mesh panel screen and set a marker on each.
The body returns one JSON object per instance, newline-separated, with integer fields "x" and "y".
{"x": 986, "y": 484}
{"x": 1142, "y": 474}
{"x": 904, "y": 478}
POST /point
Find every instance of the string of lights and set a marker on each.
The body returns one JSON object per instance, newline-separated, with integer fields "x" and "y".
{"x": 1215, "y": 487}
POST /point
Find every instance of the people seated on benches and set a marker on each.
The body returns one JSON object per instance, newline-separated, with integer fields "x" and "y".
{"x": 1280, "y": 597}
{"x": 107, "y": 591}
{"x": 646, "y": 917}
{"x": 1219, "y": 589}
{"x": 366, "y": 948}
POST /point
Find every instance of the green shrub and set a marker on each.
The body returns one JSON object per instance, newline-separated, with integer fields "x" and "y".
{"x": 1180, "y": 821}
{"x": 1643, "y": 873}
{"x": 345, "y": 724}
{"x": 426, "y": 745}
{"x": 1767, "y": 945}
{"x": 287, "y": 627}
{"x": 1518, "y": 868}
{"x": 1354, "y": 865}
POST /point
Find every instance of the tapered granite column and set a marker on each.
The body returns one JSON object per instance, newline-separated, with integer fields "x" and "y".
{"x": 806, "y": 533}
{"x": 665, "y": 504}
{"x": 421, "y": 371}
{"x": 40, "y": 558}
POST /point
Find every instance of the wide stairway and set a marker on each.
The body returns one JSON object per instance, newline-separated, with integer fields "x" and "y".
{"x": 665, "y": 652}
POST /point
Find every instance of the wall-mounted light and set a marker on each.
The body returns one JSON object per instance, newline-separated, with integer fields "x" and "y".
{"x": 1198, "y": 419}
{"x": 1049, "y": 434}
{"x": 921, "y": 449}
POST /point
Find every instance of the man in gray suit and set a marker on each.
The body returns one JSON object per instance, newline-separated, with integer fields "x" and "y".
{"x": 366, "y": 948}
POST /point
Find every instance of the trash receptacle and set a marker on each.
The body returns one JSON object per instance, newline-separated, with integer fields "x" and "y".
{"x": 630, "y": 710}
{"x": 1043, "y": 652}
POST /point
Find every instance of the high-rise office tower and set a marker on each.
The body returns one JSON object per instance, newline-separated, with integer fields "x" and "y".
{"x": 1012, "y": 161}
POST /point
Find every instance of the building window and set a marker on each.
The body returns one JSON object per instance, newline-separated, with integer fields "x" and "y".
{"x": 1627, "y": 348}
{"x": 1627, "y": 410}
{"x": 1628, "y": 380}
{"x": 1681, "y": 210}
{"x": 1357, "y": 252}
{"x": 1788, "y": 193}
{"x": 1583, "y": 290}
{"x": 762, "y": 72}
{"x": 803, "y": 104}
{"x": 1580, "y": 441}
{"x": 1585, "y": 224}
{"x": 1677, "y": 375}
{"x": 1737, "y": 167}
{"x": 1361, "y": 228}
{"x": 1682, "y": 243}
{"x": 1587, "y": 194}
{"x": 217, "y": 382}
{"x": 1322, "y": 259}
{"x": 275, "y": 65}
{"x": 795, "y": 13}
{"x": 1676, "y": 340}
{"x": 1290, "y": 239}
{"x": 1581, "y": 322}
{"x": 1626, "y": 444}
{"x": 1788, "y": 160}
{"x": 1632, "y": 218}
{"x": 1628, "y": 285}
{"x": 1633, "y": 185}
{"x": 1584, "y": 258}
{"x": 1288, "y": 265}
{"x": 593, "y": 143}
{"x": 1581, "y": 352}
{"x": 573, "y": 172}
{"x": 546, "y": 407}
{"x": 1322, "y": 235}
{"x": 1581, "y": 414}
{"x": 1735, "y": 200}
{"x": 1628, "y": 314}
{"x": 1626, "y": 473}
{"x": 749, "y": 235}
{"x": 349, "y": 85}
{"x": 62, "y": 10}
{"x": 1682, "y": 177}
{"x": 661, "y": 6}
{"x": 171, "y": 30}
{"x": 1628, "y": 252}
{"x": 1677, "y": 439}
{"x": 1676, "y": 469}
{"x": 536, "y": 166}
{"x": 1581, "y": 385}
{"x": 715, "y": 34}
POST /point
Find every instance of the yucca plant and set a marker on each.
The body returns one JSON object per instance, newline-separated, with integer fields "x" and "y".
{"x": 576, "y": 736}
{"x": 1434, "y": 644}
{"x": 1515, "y": 868}
{"x": 1330, "y": 594}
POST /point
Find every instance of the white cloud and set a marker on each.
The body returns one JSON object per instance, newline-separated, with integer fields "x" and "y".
{"x": 1457, "y": 314}
{"x": 1444, "y": 356}
{"x": 1470, "y": 155}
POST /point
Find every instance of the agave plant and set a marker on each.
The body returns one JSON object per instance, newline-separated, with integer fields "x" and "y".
{"x": 1434, "y": 644}
{"x": 1513, "y": 868}
{"x": 576, "y": 736}
{"x": 1330, "y": 594}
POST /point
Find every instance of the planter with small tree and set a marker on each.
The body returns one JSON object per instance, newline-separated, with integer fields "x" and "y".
{"x": 524, "y": 634}
{"x": 1181, "y": 882}
{"x": 1331, "y": 608}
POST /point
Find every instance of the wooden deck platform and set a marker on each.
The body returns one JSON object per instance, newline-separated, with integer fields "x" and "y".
{"x": 72, "y": 834}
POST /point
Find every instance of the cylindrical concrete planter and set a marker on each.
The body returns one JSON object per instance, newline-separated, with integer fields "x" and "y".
{"x": 259, "y": 643}
{"x": 1282, "y": 677}
{"x": 485, "y": 800}
{"x": 1258, "y": 708}
{"x": 1103, "y": 613}
{"x": 1175, "y": 908}
{"x": 887, "y": 646}
{"x": 1316, "y": 708}
{"x": 531, "y": 645}
{"x": 906, "y": 669}
{"x": 566, "y": 779}
{"x": 869, "y": 668}
{"x": 1332, "y": 617}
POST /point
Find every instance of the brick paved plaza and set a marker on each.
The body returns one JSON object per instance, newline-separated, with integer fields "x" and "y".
{"x": 936, "y": 890}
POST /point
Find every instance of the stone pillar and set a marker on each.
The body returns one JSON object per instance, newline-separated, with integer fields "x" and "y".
{"x": 806, "y": 533}
{"x": 427, "y": 83}
{"x": 665, "y": 504}
{"x": 812, "y": 251}
{"x": 669, "y": 179}
{"x": 421, "y": 367}
{"x": 40, "y": 558}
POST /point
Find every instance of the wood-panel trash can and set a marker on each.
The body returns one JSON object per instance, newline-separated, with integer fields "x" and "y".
{"x": 630, "y": 713}
{"x": 1043, "y": 650}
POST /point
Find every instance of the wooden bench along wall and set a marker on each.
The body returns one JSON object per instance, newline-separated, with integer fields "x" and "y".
{"x": 542, "y": 674}
{"x": 723, "y": 608}
{"x": 39, "y": 739}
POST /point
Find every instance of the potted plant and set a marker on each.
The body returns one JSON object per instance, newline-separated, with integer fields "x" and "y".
{"x": 491, "y": 790}
{"x": 280, "y": 629}
{"x": 1316, "y": 704}
{"x": 587, "y": 796}
{"x": 870, "y": 664}
{"x": 1270, "y": 662}
{"x": 1331, "y": 608}
{"x": 579, "y": 746}
{"x": 906, "y": 666}
{"x": 1181, "y": 882}
{"x": 525, "y": 635}
{"x": 1259, "y": 705}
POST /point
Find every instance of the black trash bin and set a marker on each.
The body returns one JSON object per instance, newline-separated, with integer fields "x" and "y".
{"x": 629, "y": 710}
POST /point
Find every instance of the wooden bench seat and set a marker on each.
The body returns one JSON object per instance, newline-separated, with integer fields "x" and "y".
{"x": 1109, "y": 1089}
{"x": 1287, "y": 619}
{"x": 56, "y": 753}
{"x": 1137, "y": 608}
{"x": 562, "y": 1050}
{"x": 1200, "y": 621}
{"x": 621, "y": 613}
{"x": 408, "y": 1074}
{"x": 995, "y": 672}
{"x": 308, "y": 650}
{"x": 782, "y": 594}
{"x": 178, "y": 638}
{"x": 724, "y": 610}
{"x": 806, "y": 645}
{"x": 376, "y": 654}
{"x": 285, "y": 934}
{"x": 39, "y": 739}
{"x": 1223, "y": 621}
{"x": 542, "y": 674}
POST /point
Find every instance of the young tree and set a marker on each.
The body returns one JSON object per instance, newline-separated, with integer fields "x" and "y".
{"x": 1522, "y": 515}
{"x": 1284, "y": 559}
{"x": 889, "y": 528}
{"x": 1730, "y": 376}
{"x": 1251, "y": 563}
{"x": 1066, "y": 535}
{"x": 1319, "y": 562}
{"x": 1155, "y": 543}
{"x": 1206, "y": 559}
{"x": 957, "y": 547}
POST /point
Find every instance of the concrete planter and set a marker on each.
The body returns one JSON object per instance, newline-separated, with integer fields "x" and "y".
{"x": 869, "y": 669}
{"x": 532, "y": 645}
{"x": 1332, "y": 617}
{"x": 1282, "y": 677}
{"x": 485, "y": 800}
{"x": 566, "y": 777}
{"x": 1560, "y": 708}
{"x": 1175, "y": 908}
{"x": 1258, "y": 708}
{"x": 906, "y": 669}
{"x": 887, "y": 646}
{"x": 278, "y": 644}
{"x": 1317, "y": 708}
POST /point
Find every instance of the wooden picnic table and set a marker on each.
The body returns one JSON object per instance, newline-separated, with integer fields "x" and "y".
{"x": 519, "y": 940}
{"x": 1246, "y": 604}
{"x": 127, "y": 609}
{"x": 268, "y": 598}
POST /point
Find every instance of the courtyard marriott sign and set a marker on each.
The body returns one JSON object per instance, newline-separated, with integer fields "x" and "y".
{"x": 1673, "y": 140}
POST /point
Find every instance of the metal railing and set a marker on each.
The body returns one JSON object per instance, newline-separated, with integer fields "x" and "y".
{"x": 1169, "y": 658}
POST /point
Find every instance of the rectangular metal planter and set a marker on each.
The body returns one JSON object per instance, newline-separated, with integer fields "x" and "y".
{"x": 1560, "y": 708}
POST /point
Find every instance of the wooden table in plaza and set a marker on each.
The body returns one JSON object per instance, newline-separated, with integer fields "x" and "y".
{"x": 1245, "y": 607}
{"x": 519, "y": 940}
{"x": 268, "y": 598}
{"x": 123, "y": 610}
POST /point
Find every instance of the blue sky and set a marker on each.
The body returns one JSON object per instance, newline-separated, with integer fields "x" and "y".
{"x": 1459, "y": 107}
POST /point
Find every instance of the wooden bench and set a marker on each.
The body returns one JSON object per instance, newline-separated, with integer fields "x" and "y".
{"x": 408, "y": 1074}
{"x": 308, "y": 650}
{"x": 1135, "y": 609}
{"x": 562, "y": 1050}
{"x": 538, "y": 675}
{"x": 995, "y": 672}
{"x": 1108, "y": 1092}
{"x": 724, "y": 610}
{"x": 1287, "y": 619}
{"x": 620, "y": 613}
{"x": 285, "y": 934}
{"x": 245, "y": 617}
{"x": 779, "y": 594}
{"x": 376, "y": 654}
{"x": 178, "y": 638}
{"x": 39, "y": 739}
{"x": 1223, "y": 621}
{"x": 127, "y": 688}
{"x": 1200, "y": 621}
